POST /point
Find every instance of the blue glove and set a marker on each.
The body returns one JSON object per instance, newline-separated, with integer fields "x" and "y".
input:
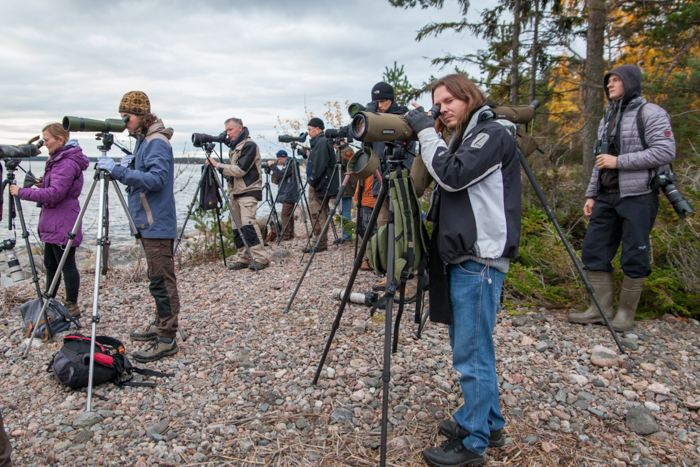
{"x": 106, "y": 163}
{"x": 126, "y": 160}
{"x": 419, "y": 120}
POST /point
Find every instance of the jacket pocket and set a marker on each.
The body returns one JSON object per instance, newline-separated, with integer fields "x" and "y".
{"x": 146, "y": 208}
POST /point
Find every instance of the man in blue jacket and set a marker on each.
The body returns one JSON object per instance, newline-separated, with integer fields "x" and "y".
{"x": 149, "y": 173}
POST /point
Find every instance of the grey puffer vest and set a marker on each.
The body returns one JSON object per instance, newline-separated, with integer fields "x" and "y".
{"x": 636, "y": 165}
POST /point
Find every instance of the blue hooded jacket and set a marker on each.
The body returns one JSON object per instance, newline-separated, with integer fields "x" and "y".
{"x": 152, "y": 200}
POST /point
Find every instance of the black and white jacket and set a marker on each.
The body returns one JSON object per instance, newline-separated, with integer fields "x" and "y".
{"x": 479, "y": 178}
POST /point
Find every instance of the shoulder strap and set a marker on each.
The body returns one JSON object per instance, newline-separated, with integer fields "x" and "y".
{"x": 640, "y": 127}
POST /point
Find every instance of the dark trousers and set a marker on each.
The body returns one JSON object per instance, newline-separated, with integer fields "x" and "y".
{"x": 616, "y": 220}
{"x": 163, "y": 287}
{"x": 288, "y": 216}
{"x": 365, "y": 216}
{"x": 71, "y": 276}
{"x": 5, "y": 447}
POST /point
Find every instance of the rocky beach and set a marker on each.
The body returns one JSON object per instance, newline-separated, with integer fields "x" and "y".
{"x": 242, "y": 391}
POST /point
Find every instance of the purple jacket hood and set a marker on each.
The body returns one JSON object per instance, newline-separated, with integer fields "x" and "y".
{"x": 59, "y": 193}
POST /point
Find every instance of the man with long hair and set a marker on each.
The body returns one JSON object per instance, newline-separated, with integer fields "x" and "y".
{"x": 476, "y": 236}
{"x": 150, "y": 174}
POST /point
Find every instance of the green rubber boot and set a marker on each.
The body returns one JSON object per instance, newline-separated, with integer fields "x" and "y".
{"x": 629, "y": 299}
{"x": 604, "y": 286}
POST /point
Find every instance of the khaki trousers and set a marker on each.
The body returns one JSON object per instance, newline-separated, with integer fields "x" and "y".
{"x": 163, "y": 286}
{"x": 288, "y": 216}
{"x": 320, "y": 212}
{"x": 244, "y": 209}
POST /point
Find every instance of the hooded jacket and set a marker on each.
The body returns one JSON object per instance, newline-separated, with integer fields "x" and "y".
{"x": 322, "y": 161}
{"x": 479, "y": 177}
{"x": 58, "y": 195}
{"x": 244, "y": 170}
{"x": 636, "y": 166}
{"x": 151, "y": 199}
{"x": 288, "y": 191}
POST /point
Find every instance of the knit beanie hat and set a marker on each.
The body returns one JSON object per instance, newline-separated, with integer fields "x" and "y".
{"x": 135, "y": 102}
{"x": 317, "y": 122}
{"x": 282, "y": 153}
{"x": 382, "y": 90}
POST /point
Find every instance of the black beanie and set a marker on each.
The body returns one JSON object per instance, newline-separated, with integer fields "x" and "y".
{"x": 317, "y": 122}
{"x": 382, "y": 90}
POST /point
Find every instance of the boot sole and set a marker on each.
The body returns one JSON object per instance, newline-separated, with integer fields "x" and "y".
{"x": 587, "y": 320}
{"x": 447, "y": 432}
{"x": 480, "y": 461}
{"x": 155, "y": 357}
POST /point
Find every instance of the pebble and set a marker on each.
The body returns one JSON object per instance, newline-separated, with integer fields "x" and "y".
{"x": 532, "y": 439}
{"x": 641, "y": 421}
{"x": 86, "y": 419}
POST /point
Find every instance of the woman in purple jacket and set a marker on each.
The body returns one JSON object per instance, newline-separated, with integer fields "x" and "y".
{"x": 58, "y": 195}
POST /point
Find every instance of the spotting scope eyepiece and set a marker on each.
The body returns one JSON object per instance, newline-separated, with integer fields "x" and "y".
{"x": 88, "y": 124}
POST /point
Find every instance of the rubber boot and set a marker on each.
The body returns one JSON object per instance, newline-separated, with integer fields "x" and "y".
{"x": 604, "y": 286}
{"x": 629, "y": 299}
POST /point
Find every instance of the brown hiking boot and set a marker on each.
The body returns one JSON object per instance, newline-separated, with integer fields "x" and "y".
{"x": 148, "y": 334}
{"x": 161, "y": 347}
{"x": 72, "y": 308}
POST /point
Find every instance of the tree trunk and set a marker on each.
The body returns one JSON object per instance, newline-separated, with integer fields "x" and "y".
{"x": 535, "y": 45}
{"x": 594, "y": 102}
{"x": 514, "y": 78}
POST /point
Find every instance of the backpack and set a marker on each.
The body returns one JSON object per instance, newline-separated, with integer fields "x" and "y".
{"x": 410, "y": 237}
{"x": 209, "y": 196}
{"x": 71, "y": 364}
{"x": 56, "y": 315}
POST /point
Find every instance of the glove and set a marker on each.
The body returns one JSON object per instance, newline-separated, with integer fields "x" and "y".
{"x": 419, "y": 120}
{"x": 106, "y": 163}
{"x": 126, "y": 160}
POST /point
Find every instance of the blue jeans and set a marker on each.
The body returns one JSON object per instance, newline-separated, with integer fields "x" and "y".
{"x": 345, "y": 209}
{"x": 475, "y": 291}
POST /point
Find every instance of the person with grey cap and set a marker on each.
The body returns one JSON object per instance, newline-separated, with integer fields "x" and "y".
{"x": 621, "y": 201}
{"x": 150, "y": 173}
{"x": 288, "y": 193}
{"x": 322, "y": 183}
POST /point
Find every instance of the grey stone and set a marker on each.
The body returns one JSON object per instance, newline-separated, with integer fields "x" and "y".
{"x": 280, "y": 254}
{"x": 517, "y": 413}
{"x": 659, "y": 436}
{"x": 629, "y": 343}
{"x": 541, "y": 346}
{"x": 531, "y": 439}
{"x": 342, "y": 414}
{"x": 507, "y": 386}
{"x": 83, "y": 436}
{"x": 583, "y": 438}
{"x": 264, "y": 407}
{"x": 581, "y": 370}
{"x": 245, "y": 446}
{"x": 581, "y": 404}
{"x": 641, "y": 421}
{"x": 156, "y": 431}
{"x": 86, "y": 419}
{"x": 520, "y": 321}
{"x": 302, "y": 423}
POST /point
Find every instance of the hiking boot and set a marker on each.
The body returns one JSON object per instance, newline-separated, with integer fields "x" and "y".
{"x": 411, "y": 292}
{"x": 379, "y": 286}
{"x": 627, "y": 307}
{"x": 161, "y": 347}
{"x": 72, "y": 308}
{"x": 365, "y": 266}
{"x": 604, "y": 286}
{"x": 237, "y": 266}
{"x": 341, "y": 241}
{"x": 452, "y": 453}
{"x": 148, "y": 334}
{"x": 260, "y": 266}
{"x": 450, "y": 429}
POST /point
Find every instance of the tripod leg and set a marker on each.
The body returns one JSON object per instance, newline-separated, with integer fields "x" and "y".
{"x": 348, "y": 287}
{"x": 189, "y": 213}
{"x": 553, "y": 219}
{"x": 386, "y": 372}
{"x": 318, "y": 242}
{"x": 25, "y": 236}
{"x": 56, "y": 277}
{"x": 96, "y": 293}
{"x": 221, "y": 235}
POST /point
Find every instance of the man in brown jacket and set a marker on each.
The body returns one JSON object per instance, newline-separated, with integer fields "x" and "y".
{"x": 5, "y": 447}
{"x": 244, "y": 191}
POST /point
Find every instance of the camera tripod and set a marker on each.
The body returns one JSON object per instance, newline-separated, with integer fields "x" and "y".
{"x": 392, "y": 287}
{"x": 208, "y": 149}
{"x": 338, "y": 169}
{"x": 302, "y": 196}
{"x": 268, "y": 200}
{"x": 13, "y": 208}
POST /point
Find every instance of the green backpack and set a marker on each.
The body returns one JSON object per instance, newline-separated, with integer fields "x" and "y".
{"x": 410, "y": 237}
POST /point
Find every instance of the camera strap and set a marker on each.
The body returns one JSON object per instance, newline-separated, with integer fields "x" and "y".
{"x": 640, "y": 127}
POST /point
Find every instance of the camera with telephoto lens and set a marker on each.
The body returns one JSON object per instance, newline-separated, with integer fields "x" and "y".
{"x": 200, "y": 139}
{"x": 292, "y": 139}
{"x": 16, "y": 273}
{"x": 342, "y": 132}
{"x": 303, "y": 152}
{"x": 666, "y": 181}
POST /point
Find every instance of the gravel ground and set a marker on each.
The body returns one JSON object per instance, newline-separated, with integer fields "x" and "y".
{"x": 242, "y": 393}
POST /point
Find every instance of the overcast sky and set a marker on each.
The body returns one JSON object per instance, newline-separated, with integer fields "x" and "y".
{"x": 203, "y": 61}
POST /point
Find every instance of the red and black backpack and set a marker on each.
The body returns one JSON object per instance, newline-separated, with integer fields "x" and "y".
{"x": 71, "y": 364}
